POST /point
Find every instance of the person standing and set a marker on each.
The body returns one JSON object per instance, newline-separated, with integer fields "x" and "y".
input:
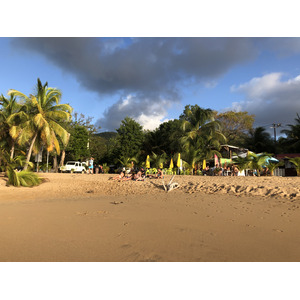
{"x": 91, "y": 165}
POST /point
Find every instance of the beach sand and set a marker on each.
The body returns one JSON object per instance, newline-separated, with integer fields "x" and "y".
{"x": 79, "y": 217}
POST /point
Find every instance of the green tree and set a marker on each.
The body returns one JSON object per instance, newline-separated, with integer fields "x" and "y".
{"x": 201, "y": 131}
{"x": 43, "y": 117}
{"x": 235, "y": 126}
{"x": 259, "y": 141}
{"x": 158, "y": 159}
{"x": 9, "y": 132}
{"x": 77, "y": 148}
{"x": 296, "y": 162}
{"x": 166, "y": 138}
{"x": 292, "y": 140}
{"x": 253, "y": 161}
{"x": 130, "y": 138}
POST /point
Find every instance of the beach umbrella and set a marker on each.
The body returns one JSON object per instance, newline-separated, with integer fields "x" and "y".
{"x": 171, "y": 164}
{"x": 272, "y": 160}
{"x": 148, "y": 162}
{"x": 178, "y": 161}
{"x": 204, "y": 164}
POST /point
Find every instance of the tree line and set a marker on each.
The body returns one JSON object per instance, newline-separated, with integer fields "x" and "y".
{"x": 40, "y": 121}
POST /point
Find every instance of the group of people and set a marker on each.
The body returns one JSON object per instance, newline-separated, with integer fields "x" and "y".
{"x": 218, "y": 170}
{"x": 91, "y": 167}
{"x": 139, "y": 175}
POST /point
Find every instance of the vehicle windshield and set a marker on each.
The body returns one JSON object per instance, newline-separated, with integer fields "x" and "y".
{"x": 71, "y": 163}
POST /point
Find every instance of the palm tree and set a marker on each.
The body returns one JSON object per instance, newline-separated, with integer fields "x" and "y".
{"x": 201, "y": 128}
{"x": 259, "y": 140}
{"x": 16, "y": 178}
{"x": 292, "y": 140}
{"x": 296, "y": 162}
{"x": 158, "y": 159}
{"x": 10, "y": 133}
{"x": 43, "y": 118}
{"x": 191, "y": 156}
{"x": 125, "y": 161}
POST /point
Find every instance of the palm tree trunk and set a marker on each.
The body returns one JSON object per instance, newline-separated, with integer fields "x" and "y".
{"x": 12, "y": 151}
{"x": 63, "y": 154}
{"x": 55, "y": 167}
{"x": 29, "y": 152}
{"x": 62, "y": 158}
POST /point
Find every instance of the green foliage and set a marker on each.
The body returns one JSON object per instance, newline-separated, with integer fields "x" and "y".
{"x": 77, "y": 148}
{"x": 165, "y": 139}
{"x": 156, "y": 160}
{"x": 15, "y": 178}
{"x": 259, "y": 141}
{"x": 105, "y": 168}
{"x": 235, "y": 126}
{"x": 130, "y": 138}
{"x": 273, "y": 166}
{"x": 41, "y": 119}
{"x": 292, "y": 141}
{"x": 296, "y": 162}
{"x": 126, "y": 161}
{"x": 252, "y": 161}
{"x": 23, "y": 178}
{"x": 202, "y": 136}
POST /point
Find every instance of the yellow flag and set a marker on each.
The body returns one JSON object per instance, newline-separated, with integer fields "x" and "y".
{"x": 171, "y": 164}
{"x": 204, "y": 164}
{"x": 148, "y": 162}
{"x": 178, "y": 161}
{"x": 161, "y": 165}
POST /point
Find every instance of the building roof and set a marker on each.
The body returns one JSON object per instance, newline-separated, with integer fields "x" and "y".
{"x": 287, "y": 155}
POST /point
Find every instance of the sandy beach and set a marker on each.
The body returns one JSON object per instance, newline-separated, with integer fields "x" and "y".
{"x": 79, "y": 217}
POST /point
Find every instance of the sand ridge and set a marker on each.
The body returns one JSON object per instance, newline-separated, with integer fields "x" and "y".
{"x": 75, "y": 185}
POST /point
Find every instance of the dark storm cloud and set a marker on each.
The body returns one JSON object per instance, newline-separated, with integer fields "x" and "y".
{"x": 140, "y": 65}
{"x": 150, "y": 70}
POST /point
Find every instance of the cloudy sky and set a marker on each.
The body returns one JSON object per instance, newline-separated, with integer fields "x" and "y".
{"x": 152, "y": 79}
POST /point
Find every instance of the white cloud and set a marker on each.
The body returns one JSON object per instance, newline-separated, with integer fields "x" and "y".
{"x": 150, "y": 114}
{"x": 270, "y": 98}
{"x": 151, "y": 122}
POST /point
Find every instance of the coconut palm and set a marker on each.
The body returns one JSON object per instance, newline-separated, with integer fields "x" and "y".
{"x": 296, "y": 162}
{"x": 125, "y": 161}
{"x": 201, "y": 128}
{"x": 293, "y": 136}
{"x": 158, "y": 159}
{"x": 259, "y": 140}
{"x": 10, "y": 133}
{"x": 252, "y": 161}
{"x": 243, "y": 163}
{"x": 43, "y": 117}
{"x": 190, "y": 157}
{"x": 273, "y": 166}
{"x": 16, "y": 178}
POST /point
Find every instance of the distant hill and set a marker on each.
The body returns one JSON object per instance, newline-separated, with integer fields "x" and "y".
{"x": 107, "y": 135}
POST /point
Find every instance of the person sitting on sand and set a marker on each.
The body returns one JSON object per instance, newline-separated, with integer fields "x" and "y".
{"x": 158, "y": 175}
{"x": 235, "y": 170}
{"x": 120, "y": 176}
{"x": 143, "y": 172}
{"x": 205, "y": 171}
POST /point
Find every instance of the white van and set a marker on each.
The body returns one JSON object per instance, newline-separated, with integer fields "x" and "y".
{"x": 74, "y": 166}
